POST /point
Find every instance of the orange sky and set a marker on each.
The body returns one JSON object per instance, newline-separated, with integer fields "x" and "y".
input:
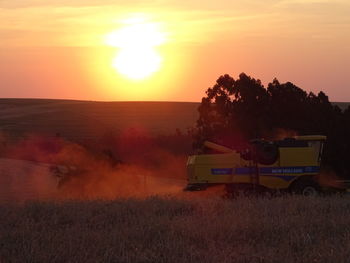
{"x": 58, "y": 49}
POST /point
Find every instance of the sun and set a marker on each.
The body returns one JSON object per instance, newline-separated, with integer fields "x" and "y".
{"x": 137, "y": 41}
{"x": 137, "y": 63}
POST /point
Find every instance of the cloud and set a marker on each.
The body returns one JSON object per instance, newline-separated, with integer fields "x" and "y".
{"x": 336, "y": 7}
{"x": 13, "y": 4}
{"x": 85, "y": 22}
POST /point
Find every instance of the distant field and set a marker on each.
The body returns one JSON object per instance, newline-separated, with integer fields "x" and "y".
{"x": 177, "y": 229}
{"x": 88, "y": 119}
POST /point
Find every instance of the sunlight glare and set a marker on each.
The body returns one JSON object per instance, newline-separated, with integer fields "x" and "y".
{"x": 137, "y": 63}
{"x": 136, "y": 35}
{"x": 137, "y": 41}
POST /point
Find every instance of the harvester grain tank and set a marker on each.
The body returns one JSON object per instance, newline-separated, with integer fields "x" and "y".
{"x": 290, "y": 164}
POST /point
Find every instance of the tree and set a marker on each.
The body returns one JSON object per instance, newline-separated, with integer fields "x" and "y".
{"x": 233, "y": 110}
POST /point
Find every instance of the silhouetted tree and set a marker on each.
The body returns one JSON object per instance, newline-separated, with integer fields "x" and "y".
{"x": 233, "y": 110}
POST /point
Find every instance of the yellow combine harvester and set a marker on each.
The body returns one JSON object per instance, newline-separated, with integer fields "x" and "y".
{"x": 291, "y": 164}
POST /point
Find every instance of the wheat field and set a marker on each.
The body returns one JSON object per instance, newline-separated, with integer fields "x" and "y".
{"x": 180, "y": 228}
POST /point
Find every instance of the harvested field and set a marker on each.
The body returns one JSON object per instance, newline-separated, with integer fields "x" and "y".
{"x": 76, "y": 120}
{"x": 24, "y": 180}
{"x": 186, "y": 228}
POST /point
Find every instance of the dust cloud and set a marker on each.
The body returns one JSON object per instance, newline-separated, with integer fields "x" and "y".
{"x": 41, "y": 167}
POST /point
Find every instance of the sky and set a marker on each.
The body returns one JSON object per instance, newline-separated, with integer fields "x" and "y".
{"x": 62, "y": 49}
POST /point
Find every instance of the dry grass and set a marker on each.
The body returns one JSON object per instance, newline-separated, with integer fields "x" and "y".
{"x": 177, "y": 229}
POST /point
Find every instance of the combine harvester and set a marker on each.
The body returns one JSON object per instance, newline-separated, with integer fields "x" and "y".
{"x": 291, "y": 165}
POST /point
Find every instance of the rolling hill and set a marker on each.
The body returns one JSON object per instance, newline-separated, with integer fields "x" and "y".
{"x": 87, "y": 119}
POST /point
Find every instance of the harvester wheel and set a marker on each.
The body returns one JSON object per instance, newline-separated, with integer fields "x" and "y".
{"x": 309, "y": 190}
{"x": 306, "y": 188}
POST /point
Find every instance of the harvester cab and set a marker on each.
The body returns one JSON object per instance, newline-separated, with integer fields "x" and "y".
{"x": 289, "y": 164}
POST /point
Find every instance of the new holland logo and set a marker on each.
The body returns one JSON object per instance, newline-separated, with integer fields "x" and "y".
{"x": 266, "y": 170}
{"x": 221, "y": 171}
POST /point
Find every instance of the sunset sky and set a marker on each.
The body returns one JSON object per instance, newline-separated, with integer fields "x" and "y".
{"x": 170, "y": 50}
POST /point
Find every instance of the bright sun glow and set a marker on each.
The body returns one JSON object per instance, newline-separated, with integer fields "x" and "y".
{"x": 137, "y": 41}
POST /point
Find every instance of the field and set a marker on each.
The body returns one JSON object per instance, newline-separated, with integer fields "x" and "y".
{"x": 135, "y": 210}
{"x": 76, "y": 120}
{"x": 177, "y": 229}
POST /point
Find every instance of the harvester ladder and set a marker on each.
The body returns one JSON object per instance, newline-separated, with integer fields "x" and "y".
{"x": 254, "y": 169}
{"x": 254, "y": 173}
